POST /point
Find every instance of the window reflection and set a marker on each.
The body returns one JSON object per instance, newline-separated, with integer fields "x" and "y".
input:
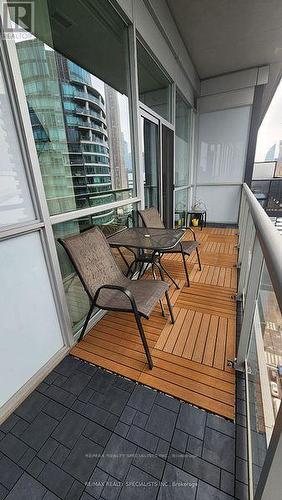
{"x": 154, "y": 86}
{"x": 15, "y": 201}
{"x": 81, "y": 130}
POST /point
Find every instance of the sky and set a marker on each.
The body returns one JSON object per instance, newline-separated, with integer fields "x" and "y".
{"x": 270, "y": 131}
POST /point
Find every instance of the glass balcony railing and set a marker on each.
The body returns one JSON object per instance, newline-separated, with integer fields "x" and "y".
{"x": 269, "y": 194}
{"x": 260, "y": 341}
{"x": 89, "y": 112}
{"x": 88, "y": 97}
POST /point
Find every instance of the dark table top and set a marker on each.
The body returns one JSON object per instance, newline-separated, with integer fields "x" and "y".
{"x": 147, "y": 238}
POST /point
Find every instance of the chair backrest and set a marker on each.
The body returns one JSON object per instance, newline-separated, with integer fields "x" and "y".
{"x": 151, "y": 218}
{"x": 92, "y": 258}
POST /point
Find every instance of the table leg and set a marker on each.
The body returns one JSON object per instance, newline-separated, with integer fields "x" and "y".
{"x": 155, "y": 278}
{"x": 161, "y": 267}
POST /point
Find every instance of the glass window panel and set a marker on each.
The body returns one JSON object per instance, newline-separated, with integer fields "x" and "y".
{"x": 77, "y": 299}
{"x": 181, "y": 205}
{"x": 80, "y": 122}
{"x": 150, "y": 162}
{"x": 154, "y": 87}
{"x": 183, "y": 131}
{"x": 15, "y": 201}
{"x": 257, "y": 422}
{"x": 31, "y": 331}
{"x": 271, "y": 329}
{"x": 264, "y": 372}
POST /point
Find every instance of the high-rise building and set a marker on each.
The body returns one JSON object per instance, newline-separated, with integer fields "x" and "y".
{"x": 69, "y": 121}
{"x": 116, "y": 139}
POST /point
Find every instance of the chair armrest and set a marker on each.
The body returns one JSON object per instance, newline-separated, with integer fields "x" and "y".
{"x": 193, "y": 232}
{"x": 122, "y": 289}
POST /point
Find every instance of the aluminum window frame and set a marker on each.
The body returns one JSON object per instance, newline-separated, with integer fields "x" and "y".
{"x": 171, "y": 101}
{"x": 45, "y": 222}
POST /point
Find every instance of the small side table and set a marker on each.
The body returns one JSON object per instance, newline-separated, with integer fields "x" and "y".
{"x": 201, "y": 214}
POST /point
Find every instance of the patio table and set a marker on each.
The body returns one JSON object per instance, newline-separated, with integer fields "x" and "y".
{"x": 147, "y": 245}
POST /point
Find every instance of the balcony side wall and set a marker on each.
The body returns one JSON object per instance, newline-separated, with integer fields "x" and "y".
{"x": 226, "y": 109}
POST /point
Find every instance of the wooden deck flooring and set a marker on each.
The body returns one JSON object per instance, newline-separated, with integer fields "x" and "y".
{"x": 190, "y": 357}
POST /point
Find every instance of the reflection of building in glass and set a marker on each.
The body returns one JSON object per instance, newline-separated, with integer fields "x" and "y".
{"x": 278, "y": 172}
{"x": 116, "y": 140}
{"x": 69, "y": 126}
{"x": 270, "y": 155}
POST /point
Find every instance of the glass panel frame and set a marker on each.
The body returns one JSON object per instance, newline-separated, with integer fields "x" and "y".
{"x": 157, "y": 93}
{"x": 181, "y": 200}
{"x": 75, "y": 156}
{"x": 183, "y": 141}
{"x": 24, "y": 173}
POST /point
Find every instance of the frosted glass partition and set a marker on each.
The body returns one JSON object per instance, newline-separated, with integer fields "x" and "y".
{"x": 15, "y": 201}
{"x": 30, "y": 333}
{"x": 183, "y": 131}
{"x": 223, "y": 137}
{"x": 222, "y": 202}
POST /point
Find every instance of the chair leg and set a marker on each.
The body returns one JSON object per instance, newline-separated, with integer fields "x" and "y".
{"x": 86, "y": 321}
{"x": 169, "y": 307}
{"x": 155, "y": 277}
{"x": 123, "y": 257}
{"x": 162, "y": 308}
{"x": 140, "y": 270}
{"x": 144, "y": 340}
{"x": 198, "y": 257}
{"x": 133, "y": 263}
{"x": 185, "y": 269}
{"x": 159, "y": 265}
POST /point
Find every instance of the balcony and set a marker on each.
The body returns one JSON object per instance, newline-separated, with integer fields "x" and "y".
{"x": 103, "y": 398}
{"x": 86, "y": 96}
{"x": 190, "y": 358}
{"x": 89, "y": 420}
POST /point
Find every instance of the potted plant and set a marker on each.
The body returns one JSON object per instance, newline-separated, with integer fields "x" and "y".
{"x": 198, "y": 207}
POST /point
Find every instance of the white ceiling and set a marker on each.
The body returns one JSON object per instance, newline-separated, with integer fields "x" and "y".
{"x": 227, "y": 35}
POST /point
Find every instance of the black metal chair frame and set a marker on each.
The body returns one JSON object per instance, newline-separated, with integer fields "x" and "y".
{"x": 128, "y": 294}
{"x": 183, "y": 253}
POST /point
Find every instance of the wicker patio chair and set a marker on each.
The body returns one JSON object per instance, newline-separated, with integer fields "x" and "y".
{"x": 105, "y": 284}
{"x": 152, "y": 219}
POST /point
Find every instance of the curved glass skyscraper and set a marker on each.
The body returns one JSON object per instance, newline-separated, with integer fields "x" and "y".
{"x": 70, "y": 129}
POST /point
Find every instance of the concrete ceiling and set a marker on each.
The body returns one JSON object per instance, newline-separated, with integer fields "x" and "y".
{"x": 228, "y": 35}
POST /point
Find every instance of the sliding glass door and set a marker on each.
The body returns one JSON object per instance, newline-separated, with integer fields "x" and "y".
{"x": 150, "y": 156}
{"x": 157, "y": 154}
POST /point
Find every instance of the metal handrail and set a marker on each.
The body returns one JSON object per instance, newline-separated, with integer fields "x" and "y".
{"x": 270, "y": 242}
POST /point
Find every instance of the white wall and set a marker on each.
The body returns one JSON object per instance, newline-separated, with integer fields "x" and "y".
{"x": 225, "y": 108}
{"x": 264, "y": 170}
{"x": 30, "y": 331}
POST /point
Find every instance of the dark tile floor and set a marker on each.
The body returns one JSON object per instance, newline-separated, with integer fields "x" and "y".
{"x": 86, "y": 433}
